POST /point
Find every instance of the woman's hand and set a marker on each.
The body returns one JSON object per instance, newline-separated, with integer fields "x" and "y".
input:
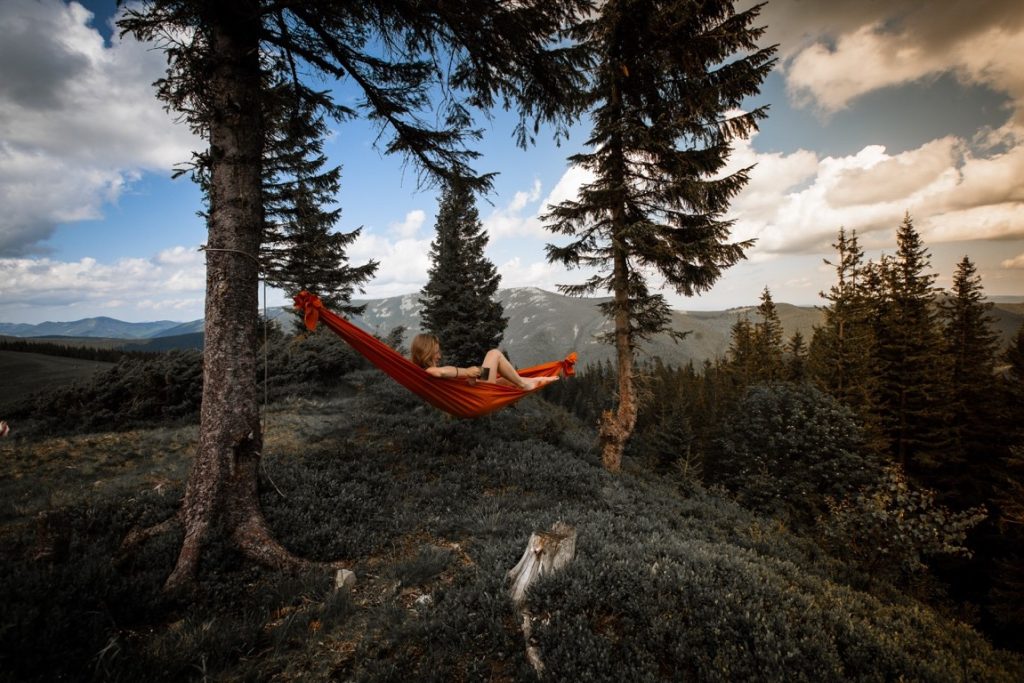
{"x": 473, "y": 372}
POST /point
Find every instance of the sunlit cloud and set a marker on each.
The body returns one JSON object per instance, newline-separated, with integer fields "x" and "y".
{"x": 795, "y": 203}
{"x": 1014, "y": 263}
{"x": 404, "y": 263}
{"x": 521, "y": 217}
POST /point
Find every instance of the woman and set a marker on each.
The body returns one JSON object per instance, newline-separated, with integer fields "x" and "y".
{"x": 426, "y": 353}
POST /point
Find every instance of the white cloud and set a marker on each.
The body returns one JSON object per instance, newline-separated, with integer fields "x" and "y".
{"x": 517, "y": 220}
{"x": 79, "y": 121}
{"x": 797, "y": 202}
{"x": 1015, "y": 262}
{"x": 410, "y": 227}
{"x": 837, "y": 51}
{"x": 171, "y": 282}
{"x": 403, "y": 263}
{"x": 515, "y": 273}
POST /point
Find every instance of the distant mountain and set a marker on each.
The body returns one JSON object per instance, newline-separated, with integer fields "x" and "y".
{"x": 194, "y": 327}
{"x": 542, "y": 326}
{"x": 89, "y": 327}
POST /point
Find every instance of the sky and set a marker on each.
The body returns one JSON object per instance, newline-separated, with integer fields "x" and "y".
{"x": 877, "y": 109}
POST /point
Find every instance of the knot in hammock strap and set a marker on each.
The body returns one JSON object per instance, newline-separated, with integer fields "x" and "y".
{"x": 310, "y": 305}
{"x": 569, "y": 365}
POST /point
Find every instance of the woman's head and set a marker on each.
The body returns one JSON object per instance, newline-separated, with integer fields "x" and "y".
{"x": 424, "y": 350}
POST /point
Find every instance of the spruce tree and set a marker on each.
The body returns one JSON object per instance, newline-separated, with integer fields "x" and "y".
{"x": 1007, "y": 596}
{"x": 741, "y": 356}
{"x": 971, "y": 344}
{"x": 911, "y": 363}
{"x": 841, "y": 347}
{"x": 767, "y": 341}
{"x": 668, "y": 79}
{"x": 796, "y": 359}
{"x": 405, "y": 57}
{"x": 300, "y": 248}
{"x": 458, "y": 299}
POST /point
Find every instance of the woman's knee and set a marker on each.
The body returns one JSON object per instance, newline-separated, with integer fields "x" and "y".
{"x": 493, "y": 354}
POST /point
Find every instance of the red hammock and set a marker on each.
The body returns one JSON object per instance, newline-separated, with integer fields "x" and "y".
{"x": 455, "y": 396}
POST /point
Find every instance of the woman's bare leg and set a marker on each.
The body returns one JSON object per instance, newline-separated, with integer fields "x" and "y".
{"x": 498, "y": 366}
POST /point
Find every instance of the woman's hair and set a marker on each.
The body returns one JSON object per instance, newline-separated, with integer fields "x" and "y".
{"x": 423, "y": 348}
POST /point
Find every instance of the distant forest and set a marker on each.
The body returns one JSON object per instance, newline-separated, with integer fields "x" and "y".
{"x": 50, "y": 348}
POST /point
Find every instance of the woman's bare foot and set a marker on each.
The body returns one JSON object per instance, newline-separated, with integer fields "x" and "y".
{"x": 531, "y": 383}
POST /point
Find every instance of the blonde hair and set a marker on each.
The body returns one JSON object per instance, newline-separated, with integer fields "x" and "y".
{"x": 423, "y": 348}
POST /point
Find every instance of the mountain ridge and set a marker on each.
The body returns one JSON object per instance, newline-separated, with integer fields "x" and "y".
{"x": 542, "y": 325}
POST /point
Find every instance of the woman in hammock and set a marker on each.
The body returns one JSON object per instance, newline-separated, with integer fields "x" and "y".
{"x": 426, "y": 353}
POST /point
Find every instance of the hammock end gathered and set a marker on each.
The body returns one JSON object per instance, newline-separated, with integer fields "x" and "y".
{"x": 309, "y": 304}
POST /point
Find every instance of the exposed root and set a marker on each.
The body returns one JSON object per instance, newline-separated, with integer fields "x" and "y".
{"x": 138, "y": 535}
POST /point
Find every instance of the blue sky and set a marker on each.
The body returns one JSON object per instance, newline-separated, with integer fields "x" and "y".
{"x": 876, "y": 109}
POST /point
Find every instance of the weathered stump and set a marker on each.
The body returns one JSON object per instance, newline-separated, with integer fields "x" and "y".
{"x": 546, "y": 553}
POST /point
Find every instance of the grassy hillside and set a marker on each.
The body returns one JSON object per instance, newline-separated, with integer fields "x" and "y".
{"x": 25, "y": 373}
{"x": 430, "y": 513}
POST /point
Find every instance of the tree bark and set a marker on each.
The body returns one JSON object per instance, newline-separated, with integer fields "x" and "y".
{"x": 616, "y": 428}
{"x": 222, "y": 483}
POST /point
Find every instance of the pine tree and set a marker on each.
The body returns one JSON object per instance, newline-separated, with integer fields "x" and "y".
{"x": 913, "y": 396}
{"x": 796, "y": 359}
{"x": 841, "y": 347}
{"x": 767, "y": 341}
{"x": 400, "y": 54}
{"x": 300, "y": 249}
{"x": 458, "y": 299}
{"x": 971, "y": 344}
{"x": 668, "y": 75}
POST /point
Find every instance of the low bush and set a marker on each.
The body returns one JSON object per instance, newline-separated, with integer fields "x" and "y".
{"x": 167, "y": 388}
{"x": 787, "y": 448}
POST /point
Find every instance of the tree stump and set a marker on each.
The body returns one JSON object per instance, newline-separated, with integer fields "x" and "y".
{"x": 546, "y": 553}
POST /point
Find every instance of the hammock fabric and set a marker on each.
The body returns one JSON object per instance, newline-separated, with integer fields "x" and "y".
{"x": 454, "y": 396}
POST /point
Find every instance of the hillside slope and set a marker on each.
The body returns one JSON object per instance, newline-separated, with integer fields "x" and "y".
{"x": 430, "y": 513}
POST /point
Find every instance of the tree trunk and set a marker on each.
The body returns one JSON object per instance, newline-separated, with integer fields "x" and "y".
{"x": 222, "y": 484}
{"x": 616, "y": 428}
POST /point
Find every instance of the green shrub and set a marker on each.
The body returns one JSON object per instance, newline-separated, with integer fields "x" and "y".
{"x": 888, "y": 530}
{"x": 786, "y": 448}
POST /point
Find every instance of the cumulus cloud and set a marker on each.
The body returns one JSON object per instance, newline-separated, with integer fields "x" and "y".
{"x": 404, "y": 263}
{"x": 79, "y": 120}
{"x": 171, "y": 284}
{"x": 409, "y": 227}
{"x": 1015, "y": 262}
{"x": 522, "y": 216}
{"x": 833, "y": 52}
{"x": 796, "y": 202}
